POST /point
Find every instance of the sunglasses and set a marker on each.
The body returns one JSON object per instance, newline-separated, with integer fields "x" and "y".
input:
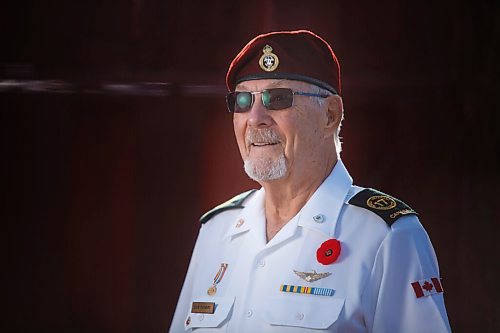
{"x": 272, "y": 99}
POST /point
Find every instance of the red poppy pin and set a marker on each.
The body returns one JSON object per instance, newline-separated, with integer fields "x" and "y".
{"x": 328, "y": 252}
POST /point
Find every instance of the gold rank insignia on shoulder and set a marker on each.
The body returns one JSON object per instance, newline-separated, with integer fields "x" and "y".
{"x": 312, "y": 276}
{"x": 385, "y": 206}
{"x": 268, "y": 61}
{"x": 381, "y": 202}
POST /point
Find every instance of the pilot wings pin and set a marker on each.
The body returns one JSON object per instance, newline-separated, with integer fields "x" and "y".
{"x": 312, "y": 276}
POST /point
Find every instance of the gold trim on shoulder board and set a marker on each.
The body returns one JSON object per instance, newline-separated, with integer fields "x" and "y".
{"x": 381, "y": 202}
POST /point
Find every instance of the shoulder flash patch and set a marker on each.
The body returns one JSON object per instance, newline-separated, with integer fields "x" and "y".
{"x": 385, "y": 206}
{"x": 234, "y": 203}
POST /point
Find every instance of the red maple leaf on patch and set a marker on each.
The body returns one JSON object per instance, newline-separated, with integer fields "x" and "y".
{"x": 427, "y": 286}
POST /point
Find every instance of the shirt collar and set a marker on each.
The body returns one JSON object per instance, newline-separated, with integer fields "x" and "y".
{"x": 250, "y": 216}
{"x": 320, "y": 213}
{"x": 322, "y": 210}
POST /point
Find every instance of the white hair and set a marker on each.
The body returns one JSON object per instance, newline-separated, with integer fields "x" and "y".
{"x": 321, "y": 102}
{"x": 265, "y": 169}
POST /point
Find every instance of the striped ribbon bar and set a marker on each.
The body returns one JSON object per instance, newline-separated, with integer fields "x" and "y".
{"x": 220, "y": 274}
{"x": 306, "y": 290}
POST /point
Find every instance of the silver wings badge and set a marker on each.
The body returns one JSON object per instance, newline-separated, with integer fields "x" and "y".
{"x": 312, "y": 276}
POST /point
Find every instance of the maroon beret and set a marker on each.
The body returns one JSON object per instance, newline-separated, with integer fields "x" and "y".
{"x": 294, "y": 55}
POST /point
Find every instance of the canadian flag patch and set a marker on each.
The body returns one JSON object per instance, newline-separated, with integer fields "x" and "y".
{"x": 427, "y": 287}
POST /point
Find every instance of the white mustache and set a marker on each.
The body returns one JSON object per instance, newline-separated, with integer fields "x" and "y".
{"x": 265, "y": 135}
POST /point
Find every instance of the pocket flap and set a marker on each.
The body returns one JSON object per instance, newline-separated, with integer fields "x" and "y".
{"x": 308, "y": 312}
{"x": 223, "y": 306}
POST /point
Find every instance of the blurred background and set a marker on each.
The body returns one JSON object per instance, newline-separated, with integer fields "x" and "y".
{"x": 115, "y": 139}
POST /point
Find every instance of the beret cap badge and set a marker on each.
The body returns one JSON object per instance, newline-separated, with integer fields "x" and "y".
{"x": 268, "y": 61}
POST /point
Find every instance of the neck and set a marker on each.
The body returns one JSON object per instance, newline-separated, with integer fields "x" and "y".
{"x": 285, "y": 197}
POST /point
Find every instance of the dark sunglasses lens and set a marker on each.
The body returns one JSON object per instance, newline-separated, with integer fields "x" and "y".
{"x": 272, "y": 99}
{"x": 239, "y": 101}
{"x": 243, "y": 101}
{"x": 277, "y": 99}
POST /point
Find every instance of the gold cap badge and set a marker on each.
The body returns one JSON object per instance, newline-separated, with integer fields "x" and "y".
{"x": 268, "y": 61}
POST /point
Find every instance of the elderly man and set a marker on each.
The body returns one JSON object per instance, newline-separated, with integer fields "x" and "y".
{"x": 308, "y": 251}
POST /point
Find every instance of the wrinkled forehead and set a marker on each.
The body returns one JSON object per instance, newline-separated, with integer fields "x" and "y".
{"x": 258, "y": 85}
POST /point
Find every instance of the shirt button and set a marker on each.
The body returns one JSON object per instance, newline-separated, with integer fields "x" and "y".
{"x": 300, "y": 316}
{"x": 262, "y": 263}
{"x": 200, "y": 317}
{"x": 249, "y": 313}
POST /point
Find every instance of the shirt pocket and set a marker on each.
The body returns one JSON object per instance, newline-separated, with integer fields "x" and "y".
{"x": 315, "y": 313}
{"x": 210, "y": 322}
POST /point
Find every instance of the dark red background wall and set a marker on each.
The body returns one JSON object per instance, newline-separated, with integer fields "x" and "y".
{"x": 115, "y": 139}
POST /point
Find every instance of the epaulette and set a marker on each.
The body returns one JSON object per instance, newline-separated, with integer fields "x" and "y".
{"x": 234, "y": 203}
{"x": 385, "y": 206}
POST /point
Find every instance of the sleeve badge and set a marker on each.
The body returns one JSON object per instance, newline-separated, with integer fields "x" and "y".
{"x": 427, "y": 287}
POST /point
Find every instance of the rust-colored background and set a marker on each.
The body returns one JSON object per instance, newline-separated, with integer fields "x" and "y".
{"x": 115, "y": 139}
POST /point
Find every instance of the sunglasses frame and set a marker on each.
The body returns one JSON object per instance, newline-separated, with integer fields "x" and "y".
{"x": 253, "y": 93}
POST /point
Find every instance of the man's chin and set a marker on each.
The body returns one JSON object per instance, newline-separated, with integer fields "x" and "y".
{"x": 262, "y": 170}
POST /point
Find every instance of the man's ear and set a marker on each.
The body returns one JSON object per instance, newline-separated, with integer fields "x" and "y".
{"x": 335, "y": 113}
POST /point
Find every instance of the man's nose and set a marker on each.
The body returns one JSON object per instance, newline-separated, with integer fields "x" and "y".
{"x": 258, "y": 115}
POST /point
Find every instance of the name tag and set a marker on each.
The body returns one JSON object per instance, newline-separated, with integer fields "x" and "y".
{"x": 203, "y": 307}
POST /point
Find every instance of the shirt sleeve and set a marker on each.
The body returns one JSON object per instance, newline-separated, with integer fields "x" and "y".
{"x": 183, "y": 304}
{"x": 390, "y": 302}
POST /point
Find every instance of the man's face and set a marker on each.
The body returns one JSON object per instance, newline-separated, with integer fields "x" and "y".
{"x": 279, "y": 143}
